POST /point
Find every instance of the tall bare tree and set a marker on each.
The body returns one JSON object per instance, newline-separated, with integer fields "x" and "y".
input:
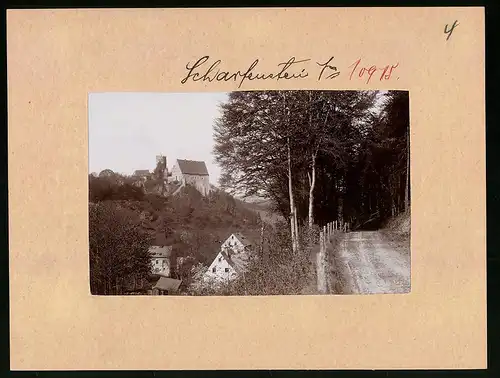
{"x": 319, "y": 155}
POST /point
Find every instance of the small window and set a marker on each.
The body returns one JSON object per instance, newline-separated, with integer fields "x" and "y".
{"x": 220, "y": 259}
{"x": 226, "y": 270}
{"x": 232, "y": 236}
{"x": 214, "y": 269}
{"x": 157, "y": 261}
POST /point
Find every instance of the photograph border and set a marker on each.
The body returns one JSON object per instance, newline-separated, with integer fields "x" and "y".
{"x": 493, "y": 240}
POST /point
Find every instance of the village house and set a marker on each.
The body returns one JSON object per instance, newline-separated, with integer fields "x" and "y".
{"x": 166, "y": 286}
{"x": 143, "y": 174}
{"x": 232, "y": 259}
{"x": 225, "y": 267}
{"x": 238, "y": 243}
{"x": 160, "y": 259}
{"x": 190, "y": 172}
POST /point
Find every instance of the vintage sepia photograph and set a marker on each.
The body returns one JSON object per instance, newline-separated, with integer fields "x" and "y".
{"x": 248, "y": 193}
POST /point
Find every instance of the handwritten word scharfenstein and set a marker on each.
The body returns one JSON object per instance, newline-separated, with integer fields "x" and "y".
{"x": 201, "y": 71}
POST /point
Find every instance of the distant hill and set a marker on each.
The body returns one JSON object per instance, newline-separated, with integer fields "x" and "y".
{"x": 265, "y": 209}
{"x": 261, "y": 206}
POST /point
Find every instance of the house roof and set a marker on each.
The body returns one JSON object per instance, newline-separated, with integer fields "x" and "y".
{"x": 142, "y": 172}
{"x": 191, "y": 167}
{"x": 160, "y": 240}
{"x": 166, "y": 283}
{"x": 236, "y": 262}
{"x": 243, "y": 239}
{"x": 160, "y": 251}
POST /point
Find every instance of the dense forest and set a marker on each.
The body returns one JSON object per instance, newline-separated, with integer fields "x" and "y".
{"x": 318, "y": 156}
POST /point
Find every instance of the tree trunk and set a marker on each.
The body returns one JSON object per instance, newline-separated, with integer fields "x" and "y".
{"x": 312, "y": 184}
{"x": 293, "y": 209}
{"x": 292, "y": 203}
{"x": 296, "y": 222}
{"x": 340, "y": 212}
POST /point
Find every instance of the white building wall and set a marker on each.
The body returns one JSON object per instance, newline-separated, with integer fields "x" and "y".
{"x": 177, "y": 174}
{"x": 233, "y": 243}
{"x": 220, "y": 269}
{"x": 201, "y": 183}
{"x": 160, "y": 265}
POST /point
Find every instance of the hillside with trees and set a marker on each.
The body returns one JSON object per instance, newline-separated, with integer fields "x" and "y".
{"x": 194, "y": 225}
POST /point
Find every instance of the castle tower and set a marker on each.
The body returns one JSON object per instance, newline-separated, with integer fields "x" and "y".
{"x": 161, "y": 166}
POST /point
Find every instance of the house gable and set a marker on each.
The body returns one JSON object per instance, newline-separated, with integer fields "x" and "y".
{"x": 221, "y": 268}
{"x": 243, "y": 239}
{"x": 232, "y": 242}
{"x": 237, "y": 242}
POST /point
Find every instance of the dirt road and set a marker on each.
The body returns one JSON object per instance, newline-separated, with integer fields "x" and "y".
{"x": 369, "y": 263}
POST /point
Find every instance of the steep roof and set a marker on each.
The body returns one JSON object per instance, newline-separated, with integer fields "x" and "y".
{"x": 160, "y": 251}
{"x": 236, "y": 262}
{"x": 191, "y": 167}
{"x": 166, "y": 283}
{"x": 243, "y": 239}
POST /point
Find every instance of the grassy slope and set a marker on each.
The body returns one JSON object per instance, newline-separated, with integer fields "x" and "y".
{"x": 397, "y": 231}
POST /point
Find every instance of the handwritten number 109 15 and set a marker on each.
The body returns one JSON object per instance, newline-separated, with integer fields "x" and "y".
{"x": 360, "y": 71}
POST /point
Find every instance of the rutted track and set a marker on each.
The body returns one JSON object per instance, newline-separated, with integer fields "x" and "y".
{"x": 370, "y": 264}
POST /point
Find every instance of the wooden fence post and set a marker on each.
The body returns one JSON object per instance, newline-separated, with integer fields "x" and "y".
{"x": 320, "y": 262}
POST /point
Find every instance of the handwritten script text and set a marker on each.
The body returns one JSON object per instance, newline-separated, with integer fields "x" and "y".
{"x": 206, "y": 70}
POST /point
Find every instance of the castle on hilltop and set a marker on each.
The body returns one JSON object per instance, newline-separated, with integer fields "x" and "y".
{"x": 184, "y": 172}
{"x": 192, "y": 173}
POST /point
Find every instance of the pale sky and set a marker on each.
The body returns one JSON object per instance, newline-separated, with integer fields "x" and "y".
{"x": 128, "y": 130}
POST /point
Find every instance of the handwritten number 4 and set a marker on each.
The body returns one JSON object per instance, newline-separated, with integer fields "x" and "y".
{"x": 449, "y": 31}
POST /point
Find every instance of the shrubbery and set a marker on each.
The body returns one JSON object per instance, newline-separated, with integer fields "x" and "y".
{"x": 275, "y": 271}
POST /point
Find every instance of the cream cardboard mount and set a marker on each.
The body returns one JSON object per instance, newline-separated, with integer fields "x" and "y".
{"x": 56, "y": 58}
